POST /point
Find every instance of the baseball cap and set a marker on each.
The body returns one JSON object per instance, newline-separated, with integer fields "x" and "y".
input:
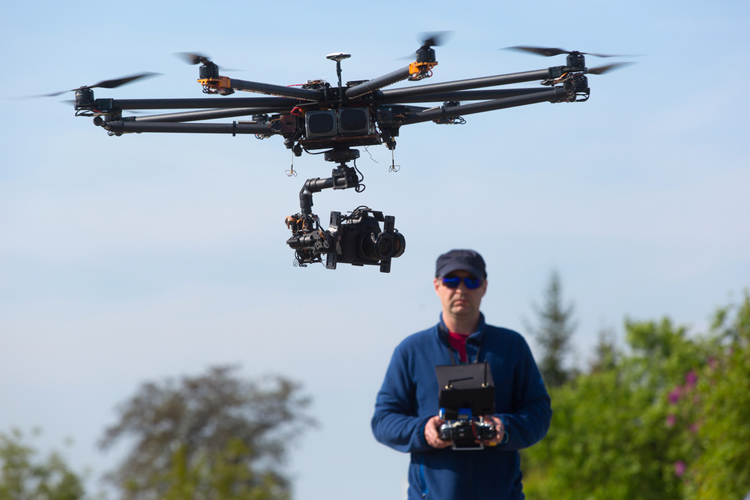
{"x": 463, "y": 260}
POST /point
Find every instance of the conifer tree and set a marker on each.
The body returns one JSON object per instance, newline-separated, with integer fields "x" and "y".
{"x": 553, "y": 332}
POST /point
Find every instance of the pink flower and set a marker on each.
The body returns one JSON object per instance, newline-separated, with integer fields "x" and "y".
{"x": 679, "y": 468}
{"x": 694, "y": 428}
{"x": 674, "y": 396}
{"x": 671, "y": 419}
{"x": 712, "y": 362}
{"x": 691, "y": 379}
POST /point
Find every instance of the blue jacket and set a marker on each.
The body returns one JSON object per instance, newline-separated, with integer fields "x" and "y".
{"x": 409, "y": 397}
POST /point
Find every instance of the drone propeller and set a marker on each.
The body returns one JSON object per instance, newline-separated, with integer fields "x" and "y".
{"x": 435, "y": 39}
{"x": 105, "y": 84}
{"x": 600, "y": 70}
{"x": 198, "y": 59}
{"x": 551, "y": 51}
{"x": 193, "y": 58}
{"x": 429, "y": 40}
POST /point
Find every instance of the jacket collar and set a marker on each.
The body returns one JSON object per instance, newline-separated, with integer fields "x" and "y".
{"x": 477, "y": 335}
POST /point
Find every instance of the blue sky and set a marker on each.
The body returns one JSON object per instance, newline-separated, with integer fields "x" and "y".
{"x": 149, "y": 256}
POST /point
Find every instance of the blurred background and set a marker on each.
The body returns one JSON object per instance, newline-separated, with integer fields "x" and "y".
{"x": 134, "y": 259}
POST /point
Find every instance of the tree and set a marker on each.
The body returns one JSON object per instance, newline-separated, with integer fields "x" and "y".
{"x": 720, "y": 409}
{"x": 611, "y": 435}
{"x": 605, "y": 352}
{"x": 210, "y": 437}
{"x": 24, "y": 476}
{"x": 665, "y": 420}
{"x": 553, "y": 334}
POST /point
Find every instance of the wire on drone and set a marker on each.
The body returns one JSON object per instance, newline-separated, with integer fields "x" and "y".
{"x": 393, "y": 167}
{"x": 360, "y": 187}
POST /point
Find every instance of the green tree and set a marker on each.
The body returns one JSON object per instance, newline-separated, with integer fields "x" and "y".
{"x": 611, "y": 437}
{"x": 605, "y": 352}
{"x": 720, "y": 411}
{"x": 210, "y": 437}
{"x": 666, "y": 419}
{"x": 221, "y": 477}
{"x": 553, "y": 333}
{"x": 26, "y": 476}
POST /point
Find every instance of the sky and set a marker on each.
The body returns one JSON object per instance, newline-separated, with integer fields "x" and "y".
{"x": 144, "y": 257}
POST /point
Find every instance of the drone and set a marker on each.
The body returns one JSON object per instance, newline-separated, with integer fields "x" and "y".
{"x": 337, "y": 119}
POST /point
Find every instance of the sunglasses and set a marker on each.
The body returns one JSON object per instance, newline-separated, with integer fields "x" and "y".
{"x": 454, "y": 282}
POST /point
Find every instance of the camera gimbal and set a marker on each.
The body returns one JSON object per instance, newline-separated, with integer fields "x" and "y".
{"x": 356, "y": 238}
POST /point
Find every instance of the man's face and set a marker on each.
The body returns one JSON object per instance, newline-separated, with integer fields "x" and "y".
{"x": 460, "y": 302}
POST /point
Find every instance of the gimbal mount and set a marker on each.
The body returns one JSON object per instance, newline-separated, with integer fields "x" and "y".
{"x": 355, "y": 239}
{"x": 342, "y": 177}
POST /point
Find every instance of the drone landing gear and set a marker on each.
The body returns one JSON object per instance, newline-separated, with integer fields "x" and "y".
{"x": 355, "y": 239}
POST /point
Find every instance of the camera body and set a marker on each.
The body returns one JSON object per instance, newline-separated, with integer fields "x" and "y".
{"x": 465, "y": 431}
{"x": 355, "y": 239}
{"x": 360, "y": 241}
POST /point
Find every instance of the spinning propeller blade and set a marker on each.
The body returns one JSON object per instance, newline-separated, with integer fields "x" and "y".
{"x": 551, "y": 51}
{"x": 111, "y": 84}
{"x": 435, "y": 39}
{"x": 193, "y": 58}
{"x": 199, "y": 59}
{"x": 604, "y": 69}
{"x": 429, "y": 40}
{"x": 105, "y": 84}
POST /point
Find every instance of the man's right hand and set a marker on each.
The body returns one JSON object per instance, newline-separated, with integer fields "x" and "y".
{"x": 432, "y": 433}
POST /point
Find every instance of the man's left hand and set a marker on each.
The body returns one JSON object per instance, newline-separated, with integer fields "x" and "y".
{"x": 499, "y": 430}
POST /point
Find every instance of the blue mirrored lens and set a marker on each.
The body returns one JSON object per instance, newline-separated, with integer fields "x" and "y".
{"x": 470, "y": 283}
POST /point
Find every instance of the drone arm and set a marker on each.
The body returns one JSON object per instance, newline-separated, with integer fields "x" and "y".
{"x": 472, "y": 83}
{"x": 467, "y": 95}
{"x": 380, "y": 82}
{"x": 121, "y": 126}
{"x": 209, "y": 114}
{"x": 554, "y": 94}
{"x": 200, "y": 103}
{"x": 267, "y": 88}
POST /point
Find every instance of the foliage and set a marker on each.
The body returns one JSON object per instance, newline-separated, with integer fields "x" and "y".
{"x": 665, "y": 420}
{"x": 722, "y": 416}
{"x": 222, "y": 477}
{"x": 553, "y": 333}
{"x": 25, "y": 476}
{"x": 605, "y": 352}
{"x": 214, "y": 436}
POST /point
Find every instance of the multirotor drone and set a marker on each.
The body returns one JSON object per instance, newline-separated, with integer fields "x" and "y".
{"x": 337, "y": 119}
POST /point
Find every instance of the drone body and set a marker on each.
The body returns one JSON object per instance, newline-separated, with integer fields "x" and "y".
{"x": 339, "y": 118}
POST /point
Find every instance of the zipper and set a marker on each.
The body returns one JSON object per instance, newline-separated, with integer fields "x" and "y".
{"x": 422, "y": 480}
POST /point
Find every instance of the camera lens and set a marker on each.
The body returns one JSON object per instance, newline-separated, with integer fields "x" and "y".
{"x": 384, "y": 245}
{"x": 389, "y": 245}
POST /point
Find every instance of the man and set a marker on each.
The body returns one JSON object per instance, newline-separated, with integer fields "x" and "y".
{"x": 407, "y": 405}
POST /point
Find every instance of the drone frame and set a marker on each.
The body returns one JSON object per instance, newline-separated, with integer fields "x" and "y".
{"x": 339, "y": 118}
{"x": 287, "y": 106}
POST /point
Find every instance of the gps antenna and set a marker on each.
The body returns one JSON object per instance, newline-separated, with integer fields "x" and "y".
{"x": 338, "y": 57}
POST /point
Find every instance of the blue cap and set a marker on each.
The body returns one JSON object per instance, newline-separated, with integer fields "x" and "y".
{"x": 461, "y": 260}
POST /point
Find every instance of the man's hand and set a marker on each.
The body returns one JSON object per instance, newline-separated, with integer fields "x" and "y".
{"x": 499, "y": 430}
{"x": 432, "y": 433}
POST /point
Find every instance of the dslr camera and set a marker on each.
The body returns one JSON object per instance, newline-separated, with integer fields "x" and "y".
{"x": 355, "y": 239}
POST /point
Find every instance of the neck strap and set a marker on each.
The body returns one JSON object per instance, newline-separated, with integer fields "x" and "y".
{"x": 444, "y": 331}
